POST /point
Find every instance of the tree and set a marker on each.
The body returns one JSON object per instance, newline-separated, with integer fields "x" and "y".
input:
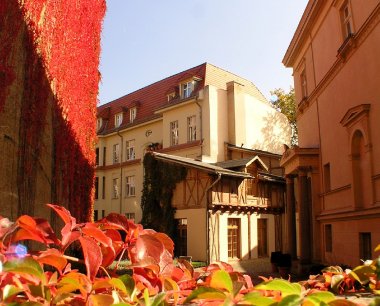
{"x": 285, "y": 103}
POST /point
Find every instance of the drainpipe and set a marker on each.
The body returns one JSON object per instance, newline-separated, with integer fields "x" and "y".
{"x": 200, "y": 120}
{"x": 121, "y": 172}
{"x": 207, "y": 219}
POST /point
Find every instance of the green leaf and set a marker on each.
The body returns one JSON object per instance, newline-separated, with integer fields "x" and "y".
{"x": 205, "y": 293}
{"x": 158, "y": 299}
{"x": 336, "y": 280}
{"x": 342, "y": 302}
{"x": 25, "y": 266}
{"x": 282, "y": 285}
{"x": 319, "y": 298}
{"x": 129, "y": 284}
{"x": 291, "y": 300}
{"x": 221, "y": 280}
{"x": 111, "y": 282}
{"x": 255, "y": 298}
{"x": 362, "y": 273}
{"x": 10, "y": 290}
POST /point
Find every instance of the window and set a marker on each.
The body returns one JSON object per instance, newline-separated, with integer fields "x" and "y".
{"x": 115, "y": 188}
{"x": 103, "y": 213}
{"x": 173, "y": 133}
{"x": 191, "y": 128}
{"x": 181, "y": 245}
{"x": 365, "y": 246}
{"x": 115, "y": 153}
{"x": 187, "y": 89}
{"x": 130, "y": 149}
{"x": 96, "y": 217}
{"x": 326, "y": 173}
{"x": 303, "y": 84}
{"x": 328, "y": 238}
{"x": 130, "y": 189}
{"x": 233, "y": 238}
{"x": 346, "y": 19}
{"x": 118, "y": 119}
{"x": 96, "y": 187}
{"x": 104, "y": 155}
{"x": 130, "y": 216}
{"x": 104, "y": 188}
{"x": 99, "y": 123}
{"x": 132, "y": 114}
{"x": 262, "y": 237}
{"x": 97, "y": 156}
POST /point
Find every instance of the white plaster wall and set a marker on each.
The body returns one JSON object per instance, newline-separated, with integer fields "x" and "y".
{"x": 196, "y": 232}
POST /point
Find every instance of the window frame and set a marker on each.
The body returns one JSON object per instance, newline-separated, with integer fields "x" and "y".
{"x": 233, "y": 237}
{"x": 346, "y": 20}
{"x": 132, "y": 114}
{"x": 130, "y": 216}
{"x": 303, "y": 81}
{"x": 174, "y": 133}
{"x": 187, "y": 88}
{"x": 99, "y": 123}
{"x": 118, "y": 119}
{"x": 130, "y": 152}
{"x": 116, "y": 153}
{"x": 130, "y": 186}
{"x": 115, "y": 188}
{"x": 192, "y": 128}
{"x": 96, "y": 187}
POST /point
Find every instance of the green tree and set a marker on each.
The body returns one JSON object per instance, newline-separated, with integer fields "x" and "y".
{"x": 285, "y": 103}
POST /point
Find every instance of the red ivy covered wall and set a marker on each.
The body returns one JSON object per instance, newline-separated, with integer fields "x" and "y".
{"x": 49, "y": 58}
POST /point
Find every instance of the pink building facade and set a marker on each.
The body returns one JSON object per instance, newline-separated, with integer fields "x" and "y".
{"x": 333, "y": 176}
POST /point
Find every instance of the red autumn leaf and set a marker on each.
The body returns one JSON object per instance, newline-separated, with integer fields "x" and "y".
{"x": 64, "y": 214}
{"x": 109, "y": 255}
{"x": 45, "y": 228}
{"x": 119, "y": 220}
{"x": 53, "y": 258}
{"x": 26, "y": 234}
{"x": 166, "y": 241}
{"x": 146, "y": 246}
{"x": 68, "y": 236}
{"x": 93, "y": 231}
{"x": 92, "y": 255}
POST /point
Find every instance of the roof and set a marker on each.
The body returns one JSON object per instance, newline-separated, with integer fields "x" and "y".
{"x": 271, "y": 177}
{"x": 192, "y": 163}
{"x": 243, "y": 162}
{"x": 148, "y": 99}
{"x": 154, "y": 97}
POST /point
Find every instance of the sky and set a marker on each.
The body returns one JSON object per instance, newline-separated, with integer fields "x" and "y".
{"x": 144, "y": 41}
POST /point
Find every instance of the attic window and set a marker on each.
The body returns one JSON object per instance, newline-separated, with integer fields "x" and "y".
{"x": 132, "y": 114}
{"x": 118, "y": 119}
{"x": 171, "y": 96}
{"x": 99, "y": 123}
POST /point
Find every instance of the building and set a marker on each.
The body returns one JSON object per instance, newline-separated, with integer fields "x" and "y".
{"x": 199, "y": 117}
{"x": 336, "y": 168}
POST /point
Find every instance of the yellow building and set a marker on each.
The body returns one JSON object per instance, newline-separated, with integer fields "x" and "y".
{"x": 334, "y": 56}
{"x": 202, "y": 115}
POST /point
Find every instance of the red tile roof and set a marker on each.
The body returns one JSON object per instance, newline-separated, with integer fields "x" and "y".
{"x": 150, "y": 98}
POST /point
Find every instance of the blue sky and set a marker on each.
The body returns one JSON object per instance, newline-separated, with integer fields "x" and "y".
{"x": 144, "y": 41}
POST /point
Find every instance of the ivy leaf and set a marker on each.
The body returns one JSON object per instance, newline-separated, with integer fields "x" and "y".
{"x": 101, "y": 300}
{"x": 64, "y": 214}
{"x": 92, "y": 255}
{"x": 362, "y": 273}
{"x": 10, "y": 290}
{"x": 93, "y": 231}
{"x": 53, "y": 258}
{"x": 110, "y": 283}
{"x": 255, "y": 298}
{"x": 336, "y": 280}
{"x": 158, "y": 299}
{"x": 129, "y": 284}
{"x": 205, "y": 293}
{"x": 291, "y": 300}
{"x": 284, "y": 286}
{"x": 27, "y": 267}
{"x": 320, "y": 298}
{"x": 221, "y": 280}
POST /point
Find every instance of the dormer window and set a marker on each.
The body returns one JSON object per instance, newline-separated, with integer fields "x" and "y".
{"x": 99, "y": 123}
{"x": 118, "y": 119}
{"x": 171, "y": 96}
{"x": 132, "y": 114}
{"x": 187, "y": 89}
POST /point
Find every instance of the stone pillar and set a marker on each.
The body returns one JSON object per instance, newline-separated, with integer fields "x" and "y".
{"x": 305, "y": 220}
{"x": 291, "y": 217}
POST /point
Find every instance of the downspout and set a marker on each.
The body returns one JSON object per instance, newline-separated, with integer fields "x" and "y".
{"x": 200, "y": 120}
{"x": 207, "y": 218}
{"x": 121, "y": 172}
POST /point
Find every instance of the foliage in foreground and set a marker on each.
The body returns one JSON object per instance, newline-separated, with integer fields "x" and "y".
{"x": 46, "y": 277}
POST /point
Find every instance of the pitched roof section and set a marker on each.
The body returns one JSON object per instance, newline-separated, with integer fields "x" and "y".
{"x": 154, "y": 96}
{"x": 150, "y": 98}
{"x": 243, "y": 162}
{"x": 192, "y": 163}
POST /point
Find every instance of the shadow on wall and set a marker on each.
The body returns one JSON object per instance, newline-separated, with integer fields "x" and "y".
{"x": 274, "y": 133}
{"x": 47, "y": 108}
